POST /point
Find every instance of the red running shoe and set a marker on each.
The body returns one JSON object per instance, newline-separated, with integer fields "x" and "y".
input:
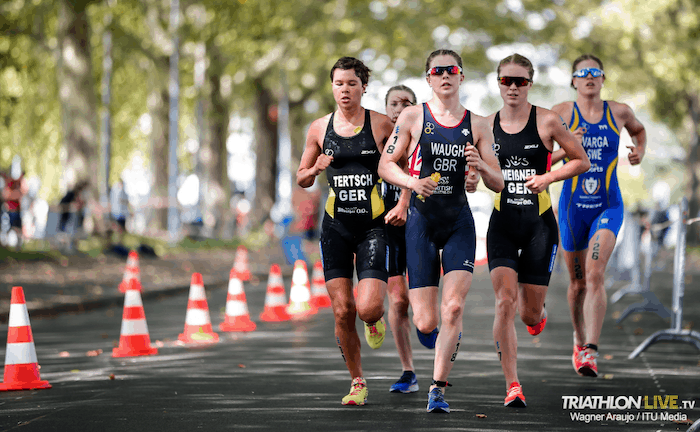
{"x": 589, "y": 364}
{"x": 537, "y": 328}
{"x": 576, "y": 358}
{"x": 515, "y": 397}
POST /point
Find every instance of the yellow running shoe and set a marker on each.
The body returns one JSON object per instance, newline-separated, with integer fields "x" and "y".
{"x": 374, "y": 334}
{"x": 358, "y": 393}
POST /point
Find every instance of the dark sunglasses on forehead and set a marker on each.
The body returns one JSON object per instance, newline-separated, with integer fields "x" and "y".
{"x": 583, "y": 73}
{"x": 439, "y": 70}
{"x": 519, "y": 81}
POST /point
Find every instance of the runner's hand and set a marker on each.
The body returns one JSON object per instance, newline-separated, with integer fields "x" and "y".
{"x": 472, "y": 180}
{"x": 537, "y": 183}
{"x": 424, "y": 186}
{"x": 322, "y": 163}
{"x": 578, "y": 133}
{"x": 396, "y": 216}
{"x": 473, "y": 157}
{"x": 635, "y": 156}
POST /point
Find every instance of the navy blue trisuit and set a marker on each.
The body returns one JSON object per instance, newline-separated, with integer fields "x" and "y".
{"x": 443, "y": 221}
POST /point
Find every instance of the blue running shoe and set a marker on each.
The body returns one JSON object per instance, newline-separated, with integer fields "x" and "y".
{"x": 408, "y": 383}
{"x": 436, "y": 402}
{"x": 428, "y": 339}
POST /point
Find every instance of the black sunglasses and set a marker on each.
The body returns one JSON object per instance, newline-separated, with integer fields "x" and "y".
{"x": 519, "y": 81}
{"x": 439, "y": 70}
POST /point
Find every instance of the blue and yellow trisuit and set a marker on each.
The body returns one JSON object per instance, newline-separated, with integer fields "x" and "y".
{"x": 592, "y": 201}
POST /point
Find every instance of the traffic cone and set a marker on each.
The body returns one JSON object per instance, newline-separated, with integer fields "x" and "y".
{"x": 237, "y": 317}
{"x": 21, "y": 366}
{"x": 299, "y": 306}
{"x": 319, "y": 293}
{"x": 131, "y": 272}
{"x": 240, "y": 263}
{"x": 134, "y": 340}
{"x": 197, "y": 322}
{"x": 275, "y": 299}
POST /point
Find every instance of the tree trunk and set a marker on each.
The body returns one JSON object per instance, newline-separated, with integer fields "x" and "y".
{"x": 219, "y": 190}
{"x": 693, "y": 168}
{"x": 265, "y": 154}
{"x": 77, "y": 97}
{"x": 158, "y": 107}
{"x": 297, "y": 133}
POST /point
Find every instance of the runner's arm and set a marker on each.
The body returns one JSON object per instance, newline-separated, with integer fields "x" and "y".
{"x": 578, "y": 162}
{"x": 636, "y": 130}
{"x": 397, "y": 216}
{"x": 564, "y": 109}
{"x": 313, "y": 161}
{"x": 482, "y": 157}
{"x": 397, "y": 149}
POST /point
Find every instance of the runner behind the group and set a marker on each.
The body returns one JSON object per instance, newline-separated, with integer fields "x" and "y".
{"x": 396, "y": 203}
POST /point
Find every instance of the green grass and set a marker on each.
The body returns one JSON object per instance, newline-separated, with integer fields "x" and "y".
{"x": 28, "y": 255}
{"x": 95, "y": 246}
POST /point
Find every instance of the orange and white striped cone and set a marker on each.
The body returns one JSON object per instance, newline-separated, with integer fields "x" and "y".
{"x": 131, "y": 272}
{"x": 275, "y": 299}
{"x": 319, "y": 293}
{"x": 197, "y": 322}
{"x": 237, "y": 316}
{"x": 21, "y": 365}
{"x": 240, "y": 263}
{"x": 299, "y": 306}
{"x": 134, "y": 340}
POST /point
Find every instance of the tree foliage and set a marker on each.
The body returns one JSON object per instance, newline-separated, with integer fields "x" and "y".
{"x": 249, "y": 45}
{"x": 651, "y": 47}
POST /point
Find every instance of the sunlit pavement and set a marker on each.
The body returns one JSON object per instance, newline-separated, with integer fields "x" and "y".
{"x": 290, "y": 375}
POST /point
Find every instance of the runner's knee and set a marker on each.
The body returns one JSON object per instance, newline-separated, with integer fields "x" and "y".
{"x": 371, "y": 313}
{"x": 505, "y": 302}
{"x": 530, "y": 315}
{"x": 577, "y": 285}
{"x": 399, "y": 304}
{"x": 425, "y": 324}
{"x": 595, "y": 278}
{"x": 452, "y": 312}
{"x": 344, "y": 312}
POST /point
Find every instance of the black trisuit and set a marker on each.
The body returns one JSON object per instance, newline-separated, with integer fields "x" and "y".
{"x": 523, "y": 232}
{"x": 354, "y": 219}
{"x": 396, "y": 235}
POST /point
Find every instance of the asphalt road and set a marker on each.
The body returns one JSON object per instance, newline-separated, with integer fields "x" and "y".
{"x": 290, "y": 376}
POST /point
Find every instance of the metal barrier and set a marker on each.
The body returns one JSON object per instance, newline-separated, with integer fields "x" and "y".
{"x": 695, "y": 427}
{"x": 639, "y": 285}
{"x": 675, "y": 333}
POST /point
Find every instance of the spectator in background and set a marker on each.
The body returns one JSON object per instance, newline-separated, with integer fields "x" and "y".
{"x": 119, "y": 208}
{"x": 71, "y": 206}
{"x": 661, "y": 193}
{"x": 31, "y": 209}
{"x": 2, "y": 209}
{"x": 306, "y": 213}
{"x": 309, "y": 213}
{"x": 14, "y": 189}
